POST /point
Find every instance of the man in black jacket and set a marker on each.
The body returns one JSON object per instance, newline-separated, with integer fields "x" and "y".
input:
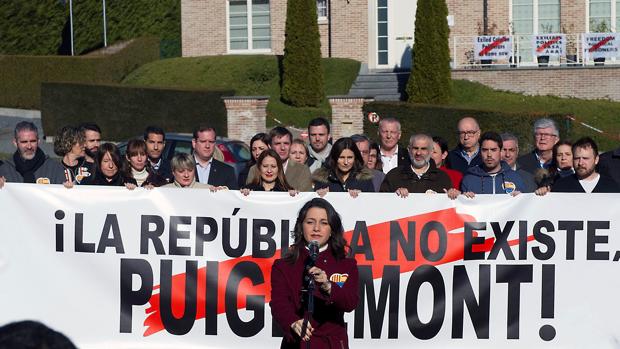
{"x": 421, "y": 175}
{"x": 208, "y": 169}
{"x": 585, "y": 179}
{"x": 467, "y": 153}
{"x": 155, "y": 140}
{"x": 609, "y": 164}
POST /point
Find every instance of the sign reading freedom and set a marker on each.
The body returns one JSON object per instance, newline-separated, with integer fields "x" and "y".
{"x": 113, "y": 268}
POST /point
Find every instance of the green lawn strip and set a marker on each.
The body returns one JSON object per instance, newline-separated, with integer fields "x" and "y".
{"x": 247, "y": 75}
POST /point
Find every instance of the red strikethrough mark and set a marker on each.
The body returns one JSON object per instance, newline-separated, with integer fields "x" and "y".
{"x": 379, "y": 240}
{"x": 492, "y": 45}
{"x": 546, "y": 44}
{"x": 600, "y": 44}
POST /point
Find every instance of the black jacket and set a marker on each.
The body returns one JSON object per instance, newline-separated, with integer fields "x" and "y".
{"x": 326, "y": 178}
{"x": 609, "y": 164}
{"x": 403, "y": 177}
{"x": 570, "y": 184}
{"x": 221, "y": 174}
{"x": 455, "y": 160}
{"x": 529, "y": 162}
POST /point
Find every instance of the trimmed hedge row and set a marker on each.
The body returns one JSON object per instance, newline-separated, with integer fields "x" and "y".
{"x": 21, "y": 76}
{"x": 123, "y": 112}
{"x": 442, "y": 121}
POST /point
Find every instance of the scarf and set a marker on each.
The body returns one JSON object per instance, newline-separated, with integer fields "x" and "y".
{"x": 27, "y": 168}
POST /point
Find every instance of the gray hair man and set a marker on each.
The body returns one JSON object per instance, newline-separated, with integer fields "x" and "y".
{"x": 510, "y": 152}
{"x": 391, "y": 155}
{"x": 546, "y": 135}
{"x": 420, "y": 175}
{"x": 363, "y": 145}
{"x": 31, "y": 163}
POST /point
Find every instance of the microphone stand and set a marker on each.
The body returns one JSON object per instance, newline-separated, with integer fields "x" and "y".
{"x": 309, "y": 309}
{"x": 309, "y": 279}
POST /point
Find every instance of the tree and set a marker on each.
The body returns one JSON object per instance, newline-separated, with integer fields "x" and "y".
{"x": 302, "y": 75}
{"x": 430, "y": 80}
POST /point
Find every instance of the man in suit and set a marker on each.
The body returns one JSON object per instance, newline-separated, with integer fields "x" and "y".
{"x": 297, "y": 175}
{"x": 392, "y": 155}
{"x": 546, "y": 135}
{"x": 467, "y": 152}
{"x": 208, "y": 169}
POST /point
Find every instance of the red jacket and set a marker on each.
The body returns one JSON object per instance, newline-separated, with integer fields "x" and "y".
{"x": 455, "y": 176}
{"x": 328, "y": 318}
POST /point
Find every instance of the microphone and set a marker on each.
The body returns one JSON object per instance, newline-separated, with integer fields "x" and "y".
{"x": 313, "y": 249}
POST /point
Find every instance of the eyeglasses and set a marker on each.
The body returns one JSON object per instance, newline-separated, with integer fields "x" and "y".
{"x": 467, "y": 133}
{"x": 544, "y": 135}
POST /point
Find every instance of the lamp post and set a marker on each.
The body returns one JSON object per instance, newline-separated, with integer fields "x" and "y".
{"x": 105, "y": 34}
{"x": 71, "y": 24}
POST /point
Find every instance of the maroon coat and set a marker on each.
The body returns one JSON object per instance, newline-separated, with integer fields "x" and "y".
{"x": 328, "y": 318}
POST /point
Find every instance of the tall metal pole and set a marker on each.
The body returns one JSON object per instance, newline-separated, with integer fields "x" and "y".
{"x": 71, "y": 24}
{"x": 105, "y": 34}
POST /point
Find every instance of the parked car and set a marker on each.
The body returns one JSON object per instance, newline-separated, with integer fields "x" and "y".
{"x": 233, "y": 152}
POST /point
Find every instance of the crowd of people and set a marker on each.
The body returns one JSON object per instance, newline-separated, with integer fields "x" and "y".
{"x": 481, "y": 163}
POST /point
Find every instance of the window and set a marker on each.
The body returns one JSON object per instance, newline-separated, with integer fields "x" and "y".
{"x": 535, "y": 16}
{"x": 382, "y": 32}
{"x": 604, "y": 16}
{"x": 321, "y": 8}
{"x": 249, "y": 25}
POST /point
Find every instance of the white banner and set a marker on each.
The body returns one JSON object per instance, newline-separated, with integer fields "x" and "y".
{"x": 107, "y": 267}
{"x": 600, "y": 45}
{"x": 493, "y": 47}
{"x": 552, "y": 45}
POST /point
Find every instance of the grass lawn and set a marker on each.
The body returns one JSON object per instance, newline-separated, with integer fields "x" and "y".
{"x": 601, "y": 114}
{"x": 259, "y": 75}
{"x": 248, "y": 76}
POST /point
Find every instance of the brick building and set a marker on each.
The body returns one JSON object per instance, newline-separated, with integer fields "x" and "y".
{"x": 379, "y": 32}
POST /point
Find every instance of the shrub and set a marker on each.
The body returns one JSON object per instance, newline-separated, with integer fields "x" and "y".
{"x": 302, "y": 77}
{"x": 123, "y": 112}
{"x": 442, "y": 121}
{"x": 430, "y": 79}
{"x": 31, "y": 27}
{"x": 21, "y": 76}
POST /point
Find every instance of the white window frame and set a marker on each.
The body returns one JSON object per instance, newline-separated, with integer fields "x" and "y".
{"x": 250, "y": 49}
{"x": 535, "y": 17}
{"x": 322, "y": 18}
{"x": 613, "y": 15}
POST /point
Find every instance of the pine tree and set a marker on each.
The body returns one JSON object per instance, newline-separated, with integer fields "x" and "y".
{"x": 430, "y": 80}
{"x": 302, "y": 76}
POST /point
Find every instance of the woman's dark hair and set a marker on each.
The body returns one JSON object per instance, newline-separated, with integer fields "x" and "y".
{"x": 339, "y": 146}
{"x": 555, "y": 150}
{"x": 134, "y": 147}
{"x": 375, "y": 146}
{"x": 115, "y": 154}
{"x": 337, "y": 243}
{"x": 263, "y": 137}
{"x": 281, "y": 179}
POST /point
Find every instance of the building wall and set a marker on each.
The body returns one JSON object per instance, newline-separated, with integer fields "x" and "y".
{"x": 583, "y": 82}
{"x": 201, "y": 35}
{"x": 350, "y": 29}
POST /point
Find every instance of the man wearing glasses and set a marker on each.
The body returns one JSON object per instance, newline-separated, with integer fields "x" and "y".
{"x": 467, "y": 152}
{"x": 546, "y": 135}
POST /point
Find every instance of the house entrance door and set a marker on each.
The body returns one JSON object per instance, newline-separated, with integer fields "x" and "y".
{"x": 401, "y": 14}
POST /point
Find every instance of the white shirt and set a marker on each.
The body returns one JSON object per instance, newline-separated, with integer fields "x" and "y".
{"x": 588, "y": 185}
{"x": 390, "y": 162}
{"x": 203, "y": 171}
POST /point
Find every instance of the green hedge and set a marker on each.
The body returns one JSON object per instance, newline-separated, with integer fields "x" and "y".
{"x": 21, "y": 76}
{"x": 32, "y": 27}
{"x": 123, "y": 112}
{"x": 442, "y": 121}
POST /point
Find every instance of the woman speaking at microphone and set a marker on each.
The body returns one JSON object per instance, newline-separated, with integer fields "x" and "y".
{"x": 317, "y": 260}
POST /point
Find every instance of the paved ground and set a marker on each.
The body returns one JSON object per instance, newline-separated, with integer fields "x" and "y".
{"x": 7, "y": 125}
